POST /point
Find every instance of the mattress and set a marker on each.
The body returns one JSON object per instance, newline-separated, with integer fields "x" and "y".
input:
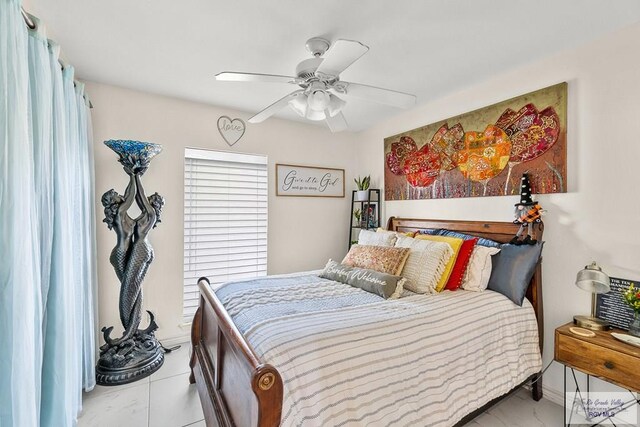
{"x": 351, "y": 358}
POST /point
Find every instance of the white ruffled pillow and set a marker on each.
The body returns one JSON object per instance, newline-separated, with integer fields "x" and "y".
{"x": 479, "y": 269}
{"x": 425, "y": 265}
{"x": 372, "y": 238}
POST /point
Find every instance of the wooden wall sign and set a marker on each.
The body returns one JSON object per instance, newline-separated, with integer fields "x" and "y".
{"x": 309, "y": 181}
{"x": 611, "y": 306}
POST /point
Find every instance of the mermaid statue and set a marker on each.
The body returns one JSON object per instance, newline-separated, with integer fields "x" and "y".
{"x": 137, "y": 353}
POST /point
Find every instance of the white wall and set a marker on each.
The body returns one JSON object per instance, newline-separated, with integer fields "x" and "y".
{"x": 293, "y": 222}
{"x": 598, "y": 218}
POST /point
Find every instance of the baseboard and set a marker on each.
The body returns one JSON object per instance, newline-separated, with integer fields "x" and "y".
{"x": 550, "y": 394}
{"x": 173, "y": 341}
{"x": 553, "y": 395}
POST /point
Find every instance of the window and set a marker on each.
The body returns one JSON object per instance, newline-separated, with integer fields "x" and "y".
{"x": 225, "y": 220}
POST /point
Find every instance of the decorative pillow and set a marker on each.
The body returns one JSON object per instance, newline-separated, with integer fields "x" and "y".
{"x": 513, "y": 269}
{"x": 455, "y": 244}
{"x": 430, "y": 231}
{"x": 371, "y": 238}
{"x": 378, "y": 258}
{"x": 425, "y": 265}
{"x": 397, "y": 233}
{"x": 385, "y": 285}
{"x": 479, "y": 269}
{"x": 460, "y": 267}
{"x": 442, "y": 232}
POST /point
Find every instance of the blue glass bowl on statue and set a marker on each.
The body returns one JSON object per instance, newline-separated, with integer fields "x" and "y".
{"x": 134, "y": 155}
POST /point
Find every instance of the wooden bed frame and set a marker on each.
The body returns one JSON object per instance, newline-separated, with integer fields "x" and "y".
{"x": 237, "y": 389}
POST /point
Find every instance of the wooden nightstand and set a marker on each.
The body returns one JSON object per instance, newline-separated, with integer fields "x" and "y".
{"x": 601, "y": 356}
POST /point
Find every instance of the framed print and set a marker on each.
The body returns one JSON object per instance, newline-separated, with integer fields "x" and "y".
{"x": 483, "y": 152}
{"x": 309, "y": 181}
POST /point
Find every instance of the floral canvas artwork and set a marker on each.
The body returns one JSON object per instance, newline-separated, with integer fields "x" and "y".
{"x": 483, "y": 152}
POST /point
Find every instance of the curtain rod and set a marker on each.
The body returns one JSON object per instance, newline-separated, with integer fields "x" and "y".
{"x": 32, "y": 25}
{"x": 27, "y": 19}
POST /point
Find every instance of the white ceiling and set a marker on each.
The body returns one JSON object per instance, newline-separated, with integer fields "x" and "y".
{"x": 425, "y": 47}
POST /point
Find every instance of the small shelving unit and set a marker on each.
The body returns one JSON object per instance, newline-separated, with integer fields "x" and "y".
{"x": 369, "y": 211}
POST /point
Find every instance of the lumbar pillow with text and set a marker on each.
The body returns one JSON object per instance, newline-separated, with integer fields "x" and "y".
{"x": 372, "y": 238}
{"x": 385, "y": 285}
{"x": 426, "y": 263}
{"x": 378, "y": 258}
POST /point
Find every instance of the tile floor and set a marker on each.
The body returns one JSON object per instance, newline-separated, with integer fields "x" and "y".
{"x": 166, "y": 399}
{"x": 520, "y": 410}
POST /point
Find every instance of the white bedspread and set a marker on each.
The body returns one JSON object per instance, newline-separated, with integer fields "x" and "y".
{"x": 422, "y": 360}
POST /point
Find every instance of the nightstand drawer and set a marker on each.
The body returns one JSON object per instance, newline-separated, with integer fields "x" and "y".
{"x": 599, "y": 361}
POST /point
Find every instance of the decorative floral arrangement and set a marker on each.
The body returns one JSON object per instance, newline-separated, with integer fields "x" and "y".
{"x": 632, "y": 298}
{"x": 357, "y": 213}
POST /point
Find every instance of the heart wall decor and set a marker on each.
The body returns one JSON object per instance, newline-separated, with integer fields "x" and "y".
{"x": 231, "y": 129}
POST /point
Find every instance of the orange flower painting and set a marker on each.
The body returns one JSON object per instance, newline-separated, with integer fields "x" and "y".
{"x": 479, "y": 153}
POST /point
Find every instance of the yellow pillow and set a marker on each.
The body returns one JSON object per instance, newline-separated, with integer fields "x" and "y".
{"x": 406, "y": 233}
{"x": 455, "y": 244}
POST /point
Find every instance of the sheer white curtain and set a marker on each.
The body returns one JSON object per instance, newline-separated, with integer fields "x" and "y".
{"x": 47, "y": 231}
{"x": 20, "y": 277}
{"x": 88, "y": 247}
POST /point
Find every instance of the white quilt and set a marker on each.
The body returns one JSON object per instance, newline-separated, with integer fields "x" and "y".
{"x": 349, "y": 358}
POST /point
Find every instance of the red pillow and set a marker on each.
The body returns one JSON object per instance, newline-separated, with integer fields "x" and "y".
{"x": 460, "y": 267}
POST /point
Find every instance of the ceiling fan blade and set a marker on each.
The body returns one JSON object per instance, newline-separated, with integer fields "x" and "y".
{"x": 340, "y": 56}
{"x": 337, "y": 123}
{"x": 377, "y": 94}
{"x": 232, "y": 76}
{"x": 274, "y": 108}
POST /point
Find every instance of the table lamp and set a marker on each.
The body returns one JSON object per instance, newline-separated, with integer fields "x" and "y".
{"x": 594, "y": 280}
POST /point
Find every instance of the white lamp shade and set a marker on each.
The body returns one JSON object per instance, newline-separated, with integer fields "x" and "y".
{"x": 316, "y": 105}
{"x": 318, "y": 100}
{"x": 335, "y": 105}
{"x": 315, "y": 115}
{"x": 299, "y": 104}
{"x": 593, "y": 279}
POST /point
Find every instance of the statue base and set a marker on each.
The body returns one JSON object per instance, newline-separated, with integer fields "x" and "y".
{"x": 129, "y": 361}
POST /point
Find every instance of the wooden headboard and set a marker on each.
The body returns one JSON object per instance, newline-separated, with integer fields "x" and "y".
{"x": 501, "y": 232}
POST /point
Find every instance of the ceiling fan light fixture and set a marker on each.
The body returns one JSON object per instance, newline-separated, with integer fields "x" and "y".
{"x": 319, "y": 81}
{"x": 299, "y": 105}
{"x": 318, "y": 100}
{"x": 335, "y": 105}
{"x": 315, "y": 115}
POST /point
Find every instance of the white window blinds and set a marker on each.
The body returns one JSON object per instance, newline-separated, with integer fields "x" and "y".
{"x": 225, "y": 220}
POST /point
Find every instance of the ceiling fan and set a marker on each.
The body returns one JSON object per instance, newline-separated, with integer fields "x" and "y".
{"x": 319, "y": 80}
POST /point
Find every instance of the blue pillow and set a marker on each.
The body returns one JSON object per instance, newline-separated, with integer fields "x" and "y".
{"x": 431, "y": 231}
{"x": 442, "y": 232}
{"x": 513, "y": 268}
